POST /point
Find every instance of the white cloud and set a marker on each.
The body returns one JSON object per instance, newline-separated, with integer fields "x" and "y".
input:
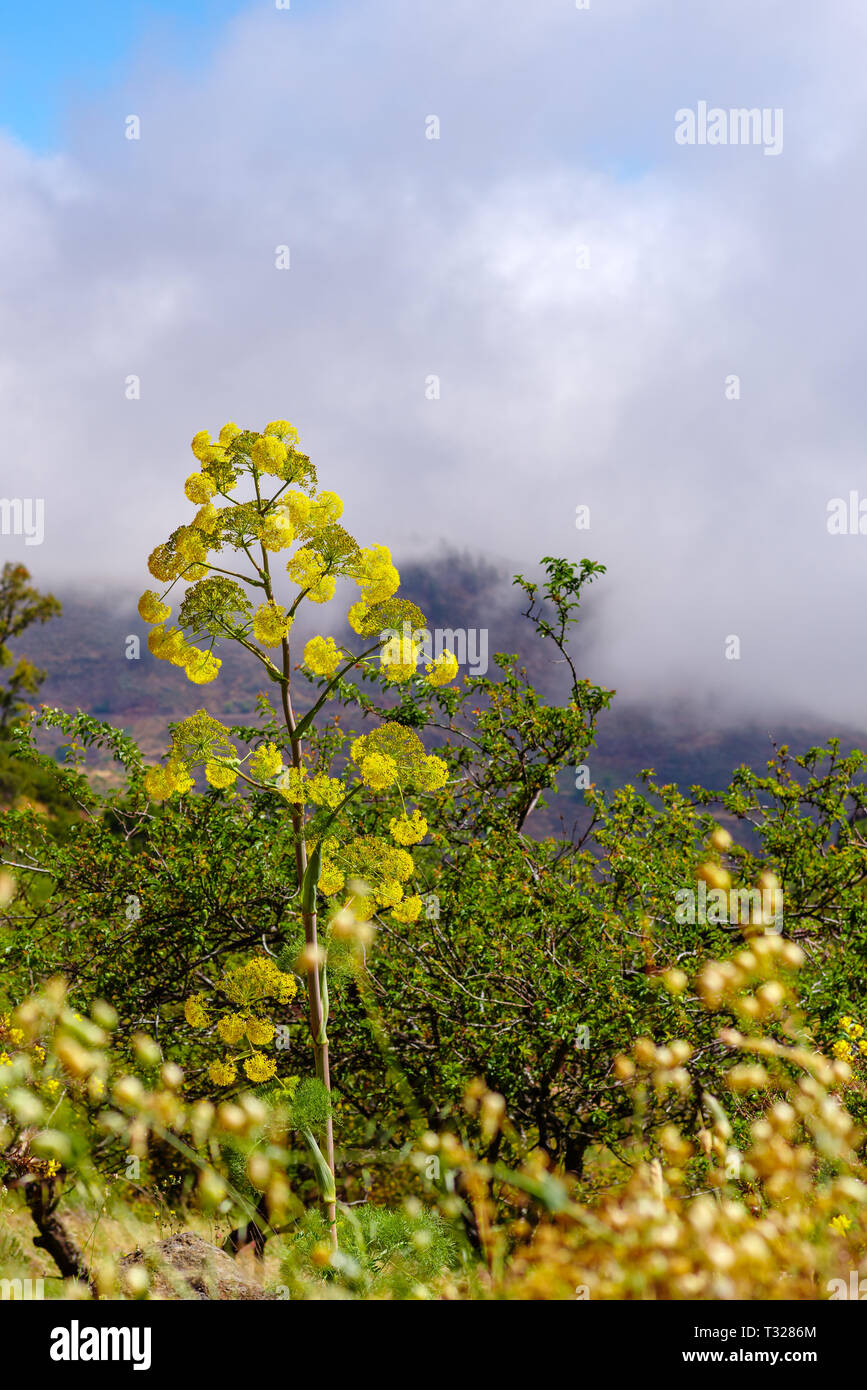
{"x": 560, "y": 385}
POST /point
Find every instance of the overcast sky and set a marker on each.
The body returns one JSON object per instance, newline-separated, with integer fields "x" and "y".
{"x": 566, "y": 377}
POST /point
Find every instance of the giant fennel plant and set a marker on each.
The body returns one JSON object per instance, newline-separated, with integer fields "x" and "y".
{"x": 261, "y": 528}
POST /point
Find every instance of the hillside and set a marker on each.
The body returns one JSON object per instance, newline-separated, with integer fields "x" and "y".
{"x": 84, "y": 653}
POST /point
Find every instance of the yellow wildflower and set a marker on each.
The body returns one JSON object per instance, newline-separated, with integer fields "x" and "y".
{"x": 408, "y": 831}
{"x": 266, "y": 762}
{"x": 321, "y": 656}
{"x": 260, "y": 1068}
{"x": 231, "y": 1028}
{"x": 199, "y": 488}
{"x": 222, "y": 1073}
{"x": 271, "y": 623}
{"x": 196, "y": 1013}
{"x": 443, "y": 669}
{"x": 151, "y": 609}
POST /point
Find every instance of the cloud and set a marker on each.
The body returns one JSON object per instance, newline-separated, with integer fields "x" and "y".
{"x": 560, "y": 383}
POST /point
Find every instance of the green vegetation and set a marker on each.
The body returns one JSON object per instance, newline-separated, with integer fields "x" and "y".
{"x": 409, "y": 1050}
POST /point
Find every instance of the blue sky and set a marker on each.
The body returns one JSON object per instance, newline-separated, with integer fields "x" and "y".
{"x": 55, "y": 53}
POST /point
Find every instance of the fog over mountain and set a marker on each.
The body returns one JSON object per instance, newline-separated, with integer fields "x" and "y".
{"x": 87, "y": 655}
{"x": 582, "y": 286}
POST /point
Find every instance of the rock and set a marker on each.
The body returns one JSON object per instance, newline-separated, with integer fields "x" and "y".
{"x": 185, "y": 1266}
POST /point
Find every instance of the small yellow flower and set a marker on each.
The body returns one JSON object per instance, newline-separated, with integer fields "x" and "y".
{"x": 231, "y": 1028}
{"x": 220, "y": 776}
{"x": 198, "y": 488}
{"x": 331, "y": 880}
{"x": 323, "y": 790}
{"x": 378, "y": 771}
{"x": 266, "y": 762}
{"x": 443, "y": 669}
{"x": 277, "y": 532}
{"x": 271, "y": 623}
{"x": 151, "y": 609}
{"x": 283, "y": 430}
{"x": 408, "y": 831}
{"x": 260, "y": 1031}
{"x": 260, "y": 1068}
{"x": 222, "y": 1073}
{"x": 409, "y": 910}
{"x": 322, "y": 656}
{"x": 195, "y": 1012}
{"x": 325, "y": 509}
{"x": 201, "y": 667}
{"x": 291, "y": 785}
{"x": 298, "y": 506}
{"x": 269, "y": 454}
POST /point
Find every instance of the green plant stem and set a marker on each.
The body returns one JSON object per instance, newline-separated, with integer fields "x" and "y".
{"x": 307, "y": 886}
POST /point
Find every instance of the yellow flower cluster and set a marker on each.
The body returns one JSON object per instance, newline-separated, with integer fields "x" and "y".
{"x": 378, "y": 771}
{"x": 409, "y": 910}
{"x": 322, "y": 656}
{"x": 201, "y": 667}
{"x": 853, "y": 1043}
{"x": 247, "y": 985}
{"x": 196, "y": 1013}
{"x": 222, "y": 1073}
{"x": 219, "y": 775}
{"x": 297, "y": 786}
{"x": 283, "y": 430}
{"x": 370, "y": 860}
{"x": 232, "y": 1028}
{"x": 442, "y": 669}
{"x": 399, "y": 660}
{"x": 271, "y": 623}
{"x": 198, "y": 739}
{"x": 258, "y": 978}
{"x": 151, "y": 609}
{"x": 375, "y": 574}
{"x": 162, "y": 782}
{"x": 170, "y": 645}
{"x": 266, "y": 762}
{"x": 198, "y": 488}
{"x": 204, "y": 448}
{"x": 297, "y": 506}
{"x": 325, "y": 509}
{"x": 331, "y": 878}
{"x": 269, "y": 455}
{"x": 325, "y": 553}
{"x": 309, "y": 570}
{"x": 393, "y": 754}
{"x": 276, "y": 531}
{"x": 409, "y": 830}
{"x": 259, "y": 1068}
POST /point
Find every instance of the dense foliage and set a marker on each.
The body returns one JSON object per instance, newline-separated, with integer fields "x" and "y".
{"x": 489, "y": 993}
